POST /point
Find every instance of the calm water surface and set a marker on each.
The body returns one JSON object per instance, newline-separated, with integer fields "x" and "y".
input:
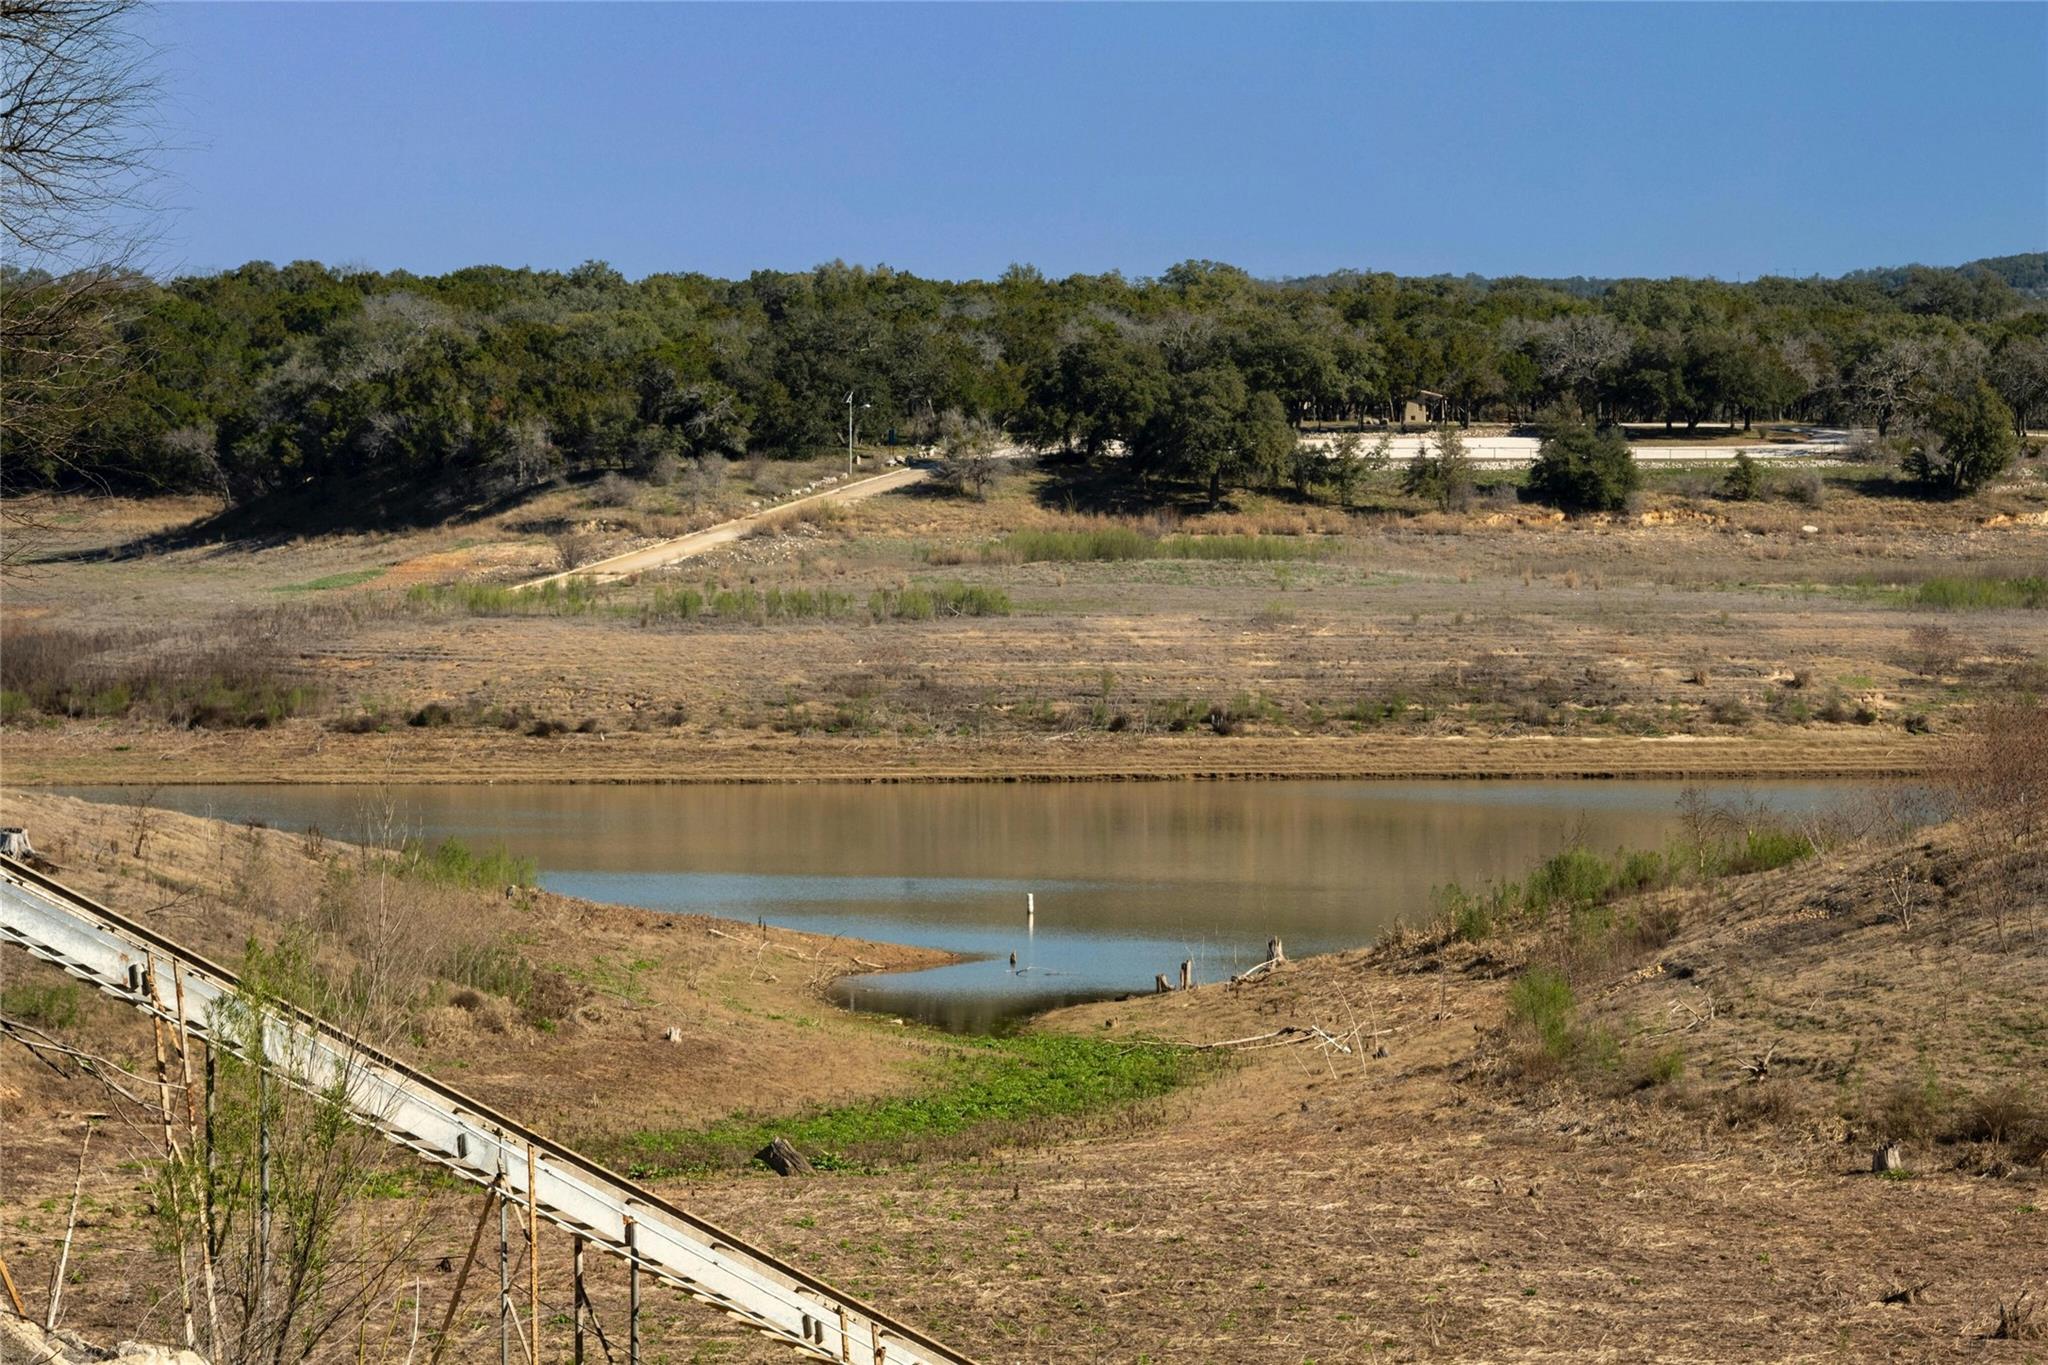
{"x": 1129, "y": 878}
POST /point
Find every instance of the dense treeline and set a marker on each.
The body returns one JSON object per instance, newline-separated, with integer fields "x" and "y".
{"x": 381, "y": 388}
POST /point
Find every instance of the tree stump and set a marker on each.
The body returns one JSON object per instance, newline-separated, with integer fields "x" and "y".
{"x": 1274, "y": 952}
{"x": 1888, "y": 1158}
{"x": 1159, "y": 986}
{"x": 782, "y": 1157}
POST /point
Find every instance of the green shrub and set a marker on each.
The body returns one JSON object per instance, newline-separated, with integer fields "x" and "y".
{"x": 923, "y": 602}
{"x": 1571, "y": 880}
{"x": 1745, "y": 479}
{"x": 1767, "y": 848}
{"x": 1640, "y": 870}
{"x": 1541, "y": 1004}
{"x": 672, "y": 604}
{"x": 451, "y": 863}
{"x": 1966, "y": 441}
{"x": 1579, "y": 469}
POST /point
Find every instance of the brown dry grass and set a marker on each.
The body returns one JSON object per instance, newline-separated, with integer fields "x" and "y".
{"x": 1425, "y": 1204}
{"x": 1410, "y": 637}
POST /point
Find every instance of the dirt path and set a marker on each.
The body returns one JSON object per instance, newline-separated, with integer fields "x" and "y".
{"x": 726, "y": 532}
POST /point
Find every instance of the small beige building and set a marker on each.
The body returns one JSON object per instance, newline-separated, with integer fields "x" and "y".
{"x": 1426, "y": 408}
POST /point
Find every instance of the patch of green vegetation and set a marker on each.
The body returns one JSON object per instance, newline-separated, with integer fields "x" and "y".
{"x": 1107, "y": 543}
{"x": 353, "y": 578}
{"x": 450, "y": 862}
{"x": 54, "y": 1004}
{"x": 1957, "y": 592}
{"x": 915, "y": 602}
{"x": 1664, "y": 1068}
{"x": 923, "y": 602}
{"x": 1575, "y": 881}
{"x": 1982, "y": 593}
{"x": 557, "y": 597}
{"x": 1070, "y": 547}
{"x": 1541, "y": 1003}
{"x": 996, "y": 1084}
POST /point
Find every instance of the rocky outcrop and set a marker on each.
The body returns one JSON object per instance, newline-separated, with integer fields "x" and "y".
{"x": 24, "y": 1342}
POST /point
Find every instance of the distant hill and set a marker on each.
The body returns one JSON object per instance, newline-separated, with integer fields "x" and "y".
{"x": 2026, "y": 274}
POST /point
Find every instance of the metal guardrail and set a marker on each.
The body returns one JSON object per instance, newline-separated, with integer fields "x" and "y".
{"x": 125, "y": 960}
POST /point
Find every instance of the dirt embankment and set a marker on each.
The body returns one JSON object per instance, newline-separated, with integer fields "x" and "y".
{"x": 1458, "y": 1196}
{"x": 305, "y": 752}
{"x": 1689, "y": 1181}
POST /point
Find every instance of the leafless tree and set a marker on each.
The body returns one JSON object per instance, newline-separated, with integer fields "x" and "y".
{"x": 1572, "y": 351}
{"x": 76, "y": 157}
{"x": 968, "y": 447}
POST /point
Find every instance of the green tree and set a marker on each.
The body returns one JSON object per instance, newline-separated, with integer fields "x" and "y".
{"x": 1744, "y": 481}
{"x": 1963, "y": 442}
{"x": 1580, "y": 469}
{"x": 1444, "y": 476}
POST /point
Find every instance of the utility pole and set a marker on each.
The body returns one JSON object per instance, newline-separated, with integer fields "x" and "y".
{"x": 849, "y": 428}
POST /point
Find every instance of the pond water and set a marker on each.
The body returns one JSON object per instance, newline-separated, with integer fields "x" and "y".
{"x": 1128, "y": 879}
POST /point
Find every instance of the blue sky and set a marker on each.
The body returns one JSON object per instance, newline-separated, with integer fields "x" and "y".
{"x": 952, "y": 140}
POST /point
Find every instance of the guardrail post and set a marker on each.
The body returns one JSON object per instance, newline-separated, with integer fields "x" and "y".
{"x": 632, "y": 1293}
{"x": 476, "y": 1239}
{"x": 262, "y": 1165}
{"x": 504, "y": 1275}
{"x": 192, "y": 1135}
{"x": 532, "y": 1258}
{"x": 163, "y": 1099}
{"x": 576, "y": 1299}
{"x": 117, "y": 956}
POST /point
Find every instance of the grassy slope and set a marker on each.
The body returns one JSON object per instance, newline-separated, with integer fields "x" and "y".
{"x": 1460, "y": 1195}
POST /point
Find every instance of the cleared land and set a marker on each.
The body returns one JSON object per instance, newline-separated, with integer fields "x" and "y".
{"x": 919, "y": 636}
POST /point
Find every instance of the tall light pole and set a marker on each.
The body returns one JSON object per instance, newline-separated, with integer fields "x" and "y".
{"x": 849, "y": 428}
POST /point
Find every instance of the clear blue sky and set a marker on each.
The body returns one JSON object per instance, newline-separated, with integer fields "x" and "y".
{"x": 951, "y": 140}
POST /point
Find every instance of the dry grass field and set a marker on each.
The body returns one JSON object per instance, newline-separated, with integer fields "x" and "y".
{"x": 920, "y": 635}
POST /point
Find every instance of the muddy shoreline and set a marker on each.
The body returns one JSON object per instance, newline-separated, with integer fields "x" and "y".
{"x": 301, "y": 755}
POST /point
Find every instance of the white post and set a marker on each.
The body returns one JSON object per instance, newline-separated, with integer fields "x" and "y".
{"x": 1030, "y": 910}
